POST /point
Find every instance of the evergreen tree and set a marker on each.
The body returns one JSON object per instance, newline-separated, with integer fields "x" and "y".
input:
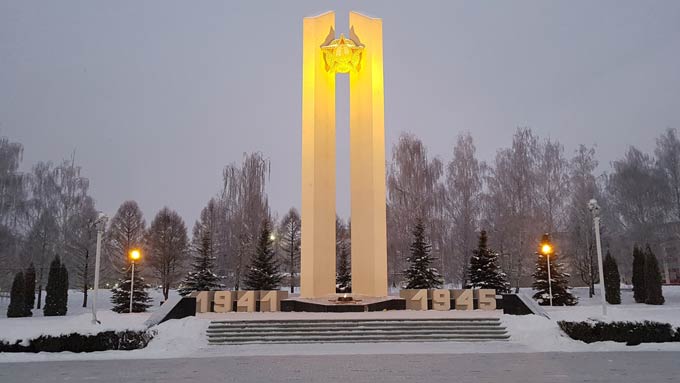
{"x": 421, "y": 274}
{"x": 612, "y": 280}
{"x": 29, "y": 290}
{"x": 17, "y": 305}
{"x": 484, "y": 271}
{"x": 56, "y": 297}
{"x": 343, "y": 279}
{"x": 561, "y": 296}
{"x": 63, "y": 288}
{"x": 202, "y": 277}
{"x": 654, "y": 295}
{"x": 121, "y": 292}
{"x": 639, "y": 290}
{"x": 263, "y": 273}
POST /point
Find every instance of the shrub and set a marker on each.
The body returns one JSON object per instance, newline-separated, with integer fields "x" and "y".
{"x": 639, "y": 291}
{"x": 74, "y": 342}
{"x": 612, "y": 280}
{"x": 56, "y": 298}
{"x": 16, "y": 308}
{"x": 654, "y": 293}
{"x": 632, "y": 333}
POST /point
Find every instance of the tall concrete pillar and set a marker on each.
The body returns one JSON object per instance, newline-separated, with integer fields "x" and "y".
{"x": 361, "y": 57}
{"x": 317, "y": 269}
{"x": 367, "y": 160}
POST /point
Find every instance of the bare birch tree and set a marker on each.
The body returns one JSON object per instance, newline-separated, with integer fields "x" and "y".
{"x": 126, "y": 232}
{"x": 289, "y": 244}
{"x": 81, "y": 240}
{"x": 639, "y": 194}
{"x": 13, "y": 204}
{"x": 580, "y": 243}
{"x": 511, "y": 204}
{"x": 245, "y": 205}
{"x": 463, "y": 205}
{"x": 414, "y": 189}
{"x": 552, "y": 185}
{"x": 167, "y": 244}
{"x": 668, "y": 154}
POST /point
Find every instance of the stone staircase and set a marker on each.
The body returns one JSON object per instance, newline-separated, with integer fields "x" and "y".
{"x": 356, "y": 331}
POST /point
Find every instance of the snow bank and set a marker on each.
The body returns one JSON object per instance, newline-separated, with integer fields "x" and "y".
{"x": 24, "y": 329}
{"x": 628, "y": 310}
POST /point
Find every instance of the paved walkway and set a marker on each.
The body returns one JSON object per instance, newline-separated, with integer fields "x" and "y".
{"x": 619, "y": 367}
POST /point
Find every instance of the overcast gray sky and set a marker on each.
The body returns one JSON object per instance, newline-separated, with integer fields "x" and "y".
{"x": 157, "y": 96}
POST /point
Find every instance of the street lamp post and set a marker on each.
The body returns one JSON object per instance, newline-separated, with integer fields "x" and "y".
{"x": 546, "y": 249}
{"x": 595, "y": 210}
{"x": 100, "y": 224}
{"x": 134, "y": 255}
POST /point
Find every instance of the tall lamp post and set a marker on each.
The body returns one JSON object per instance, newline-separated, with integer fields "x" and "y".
{"x": 100, "y": 224}
{"x": 546, "y": 249}
{"x": 135, "y": 254}
{"x": 595, "y": 211}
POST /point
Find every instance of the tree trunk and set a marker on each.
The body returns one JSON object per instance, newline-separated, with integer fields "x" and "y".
{"x": 85, "y": 276}
{"x": 37, "y": 306}
{"x": 292, "y": 269}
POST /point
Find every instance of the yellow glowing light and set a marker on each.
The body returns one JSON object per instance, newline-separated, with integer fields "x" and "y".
{"x": 135, "y": 254}
{"x": 272, "y": 237}
{"x": 342, "y": 55}
{"x": 546, "y": 249}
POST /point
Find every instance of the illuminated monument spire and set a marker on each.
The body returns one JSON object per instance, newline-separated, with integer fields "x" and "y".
{"x": 360, "y": 56}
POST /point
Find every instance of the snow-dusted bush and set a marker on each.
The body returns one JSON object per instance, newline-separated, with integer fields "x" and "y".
{"x": 74, "y": 342}
{"x": 632, "y": 333}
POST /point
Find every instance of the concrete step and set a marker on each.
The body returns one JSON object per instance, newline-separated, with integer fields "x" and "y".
{"x": 268, "y": 330}
{"x": 357, "y": 324}
{"x": 359, "y": 339}
{"x": 331, "y": 332}
{"x": 353, "y": 321}
{"x": 357, "y": 330}
{"x": 321, "y": 341}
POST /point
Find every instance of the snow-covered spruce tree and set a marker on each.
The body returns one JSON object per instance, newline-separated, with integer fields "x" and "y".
{"x": 484, "y": 271}
{"x": 56, "y": 291}
{"x": 639, "y": 291}
{"x": 561, "y": 296}
{"x": 343, "y": 279}
{"x": 263, "y": 273}
{"x": 121, "y": 292}
{"x": 421, "y": 274}
{"x": 29, "y": 290}
{"x": 612, "y": 280}
{"x": 17, "y": 305}
{"x": 654, "y": 294}
{"x": 201, "y": 278}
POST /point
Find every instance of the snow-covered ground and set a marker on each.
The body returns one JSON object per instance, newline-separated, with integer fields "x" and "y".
{"x": 186, "y": 337}
{"x": 78, "y": 318}
{"x": 628, "y": 310}
{"x": 75, "y": 302}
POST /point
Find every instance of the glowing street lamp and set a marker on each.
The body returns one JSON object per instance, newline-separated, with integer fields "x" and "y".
{"x": 547, "y": 249}
{"x": 135, "y": 255}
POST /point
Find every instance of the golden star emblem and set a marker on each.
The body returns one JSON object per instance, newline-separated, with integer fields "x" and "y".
{"x": 342, "y": 55}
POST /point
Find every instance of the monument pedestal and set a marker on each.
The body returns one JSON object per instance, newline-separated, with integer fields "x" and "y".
{"x": 330, "y": 304}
